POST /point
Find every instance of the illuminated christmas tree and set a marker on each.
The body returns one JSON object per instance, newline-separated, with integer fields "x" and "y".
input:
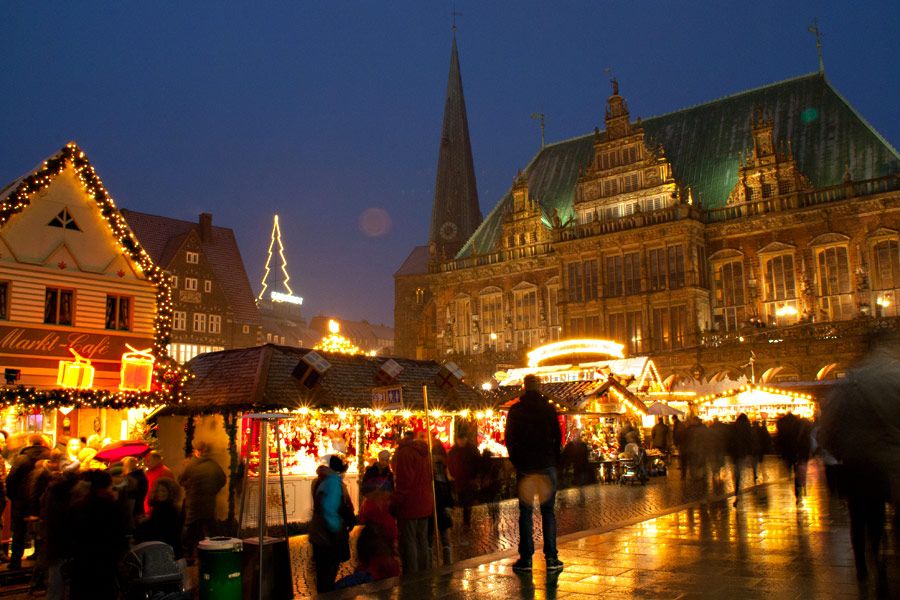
{"x": 275, "y": 294}
{"x": 335, "y": 342}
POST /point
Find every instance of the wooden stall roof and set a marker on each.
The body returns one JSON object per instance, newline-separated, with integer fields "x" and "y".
{"x": 571, "y": 396}
{"x": 259, "y": 378}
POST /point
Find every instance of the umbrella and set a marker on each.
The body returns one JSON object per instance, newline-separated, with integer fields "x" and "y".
{"x": 119, "y": 450}
{"x": 663, "y": 410}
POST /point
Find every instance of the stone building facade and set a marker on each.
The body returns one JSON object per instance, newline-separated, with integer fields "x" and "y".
{"x": 754, "y": 235}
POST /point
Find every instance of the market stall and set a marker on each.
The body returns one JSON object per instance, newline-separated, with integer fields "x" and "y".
{"x": 352, "y": 404}
{"x": 757, "y": 402}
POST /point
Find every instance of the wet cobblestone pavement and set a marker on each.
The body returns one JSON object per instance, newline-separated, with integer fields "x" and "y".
{"x": 766, "y": 547}
{"x": 580, "y": 509}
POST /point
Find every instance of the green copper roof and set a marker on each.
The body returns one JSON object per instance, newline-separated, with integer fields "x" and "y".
{"x": 703, "y": 143}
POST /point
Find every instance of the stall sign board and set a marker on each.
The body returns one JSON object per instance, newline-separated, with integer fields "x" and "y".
{"x": 388, "y": 399}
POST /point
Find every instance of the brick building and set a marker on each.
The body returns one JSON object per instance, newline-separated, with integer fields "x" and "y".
{"x": 765, "y": 224}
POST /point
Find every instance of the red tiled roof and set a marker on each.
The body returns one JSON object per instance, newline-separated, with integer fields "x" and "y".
{"x": 162, "y": 236}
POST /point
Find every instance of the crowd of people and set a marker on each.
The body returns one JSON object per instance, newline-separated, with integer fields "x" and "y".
{"x": 83, "y": 520}
{"x": 402, "y": 529}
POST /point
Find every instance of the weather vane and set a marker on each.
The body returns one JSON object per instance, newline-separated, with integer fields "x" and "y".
{"x": 455, "y": 14}
{"x": 814, "y": 29}
{"x": 541, "y": 116}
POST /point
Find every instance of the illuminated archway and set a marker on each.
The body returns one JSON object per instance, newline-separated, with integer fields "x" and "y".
{"x": 573, "y": 347}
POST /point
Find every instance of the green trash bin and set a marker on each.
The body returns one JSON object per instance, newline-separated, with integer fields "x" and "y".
{"x": 220, "y": 568}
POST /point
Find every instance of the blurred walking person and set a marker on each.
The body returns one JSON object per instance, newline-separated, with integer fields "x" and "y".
{"x": 740, "y": 448}
{"x": 795, "y": 447}
{"x": 201, "y": 479}
{"x": 462, "y": 461}
{"x": 328, "y": 529}
{"x": 412, "y": 503}
{"x": 534, "y": 439}
{"x": 17, "y": 489}
{"x": 762, "y": 445}
{"x": 861, "y": 427}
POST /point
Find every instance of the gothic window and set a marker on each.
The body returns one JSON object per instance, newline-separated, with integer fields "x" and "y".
{"x": 592, "y": 327}
{"x": 615, "y": 276}
{"x": 729, "y": 293}
{"x": 632, "y": 263}
{"x": 463, "y": 324}
{"x": 679, "y": 326}
{"x": 576, "y": 282}
{"x": 661, "y": 331}
{"x": 64, "y": 220}
{"x": 590, "y": 280}
{"x": 676, "y": 267}
{"x": 616, "y": 328}
{"x": 553, "y": 312}
{"x": 780, "y": 289}
{"x": 526, "y": 317}
{"x": 886, "y": 277}
{"x": 702, "y": 267}
{"x": 657, "y": 268}
{"x": 491, "y": 319}
{"x": 420, "y": 296}
{"x": 833, "y": 271}
{"x": 576, "y": 327}
{"x": 633, "y": 332}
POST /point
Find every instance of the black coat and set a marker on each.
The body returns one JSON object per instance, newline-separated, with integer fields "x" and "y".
{"x": 533, "y": 437}
{"x": 163, "y": 525}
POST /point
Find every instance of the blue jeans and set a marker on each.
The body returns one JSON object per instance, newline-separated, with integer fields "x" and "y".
{"x": 543, "y": 483}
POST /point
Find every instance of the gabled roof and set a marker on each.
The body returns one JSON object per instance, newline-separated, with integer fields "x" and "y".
{"x": 163, "y": 236}
{"x": 704, "y": 143}
{"x": 416, "y": 263}
{"x": 260, "y": 379}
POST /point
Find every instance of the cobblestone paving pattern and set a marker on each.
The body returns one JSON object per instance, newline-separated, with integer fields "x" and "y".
{"x": 577, "y": 510}
{"x": 765, "y": 548}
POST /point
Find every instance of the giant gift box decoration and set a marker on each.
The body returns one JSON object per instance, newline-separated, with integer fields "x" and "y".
{"x": 310, "y": 369}
{"x": 449, "y": 376}
{"x": 75, "y": 374}
{"x": 137, "y": 370}
{"x": 388, "y": 372}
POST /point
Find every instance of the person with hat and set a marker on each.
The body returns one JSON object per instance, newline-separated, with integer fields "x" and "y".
{"x": 330, "y": 526}
{"x": 379, "y": 474}
{"x": 534, "y": 440}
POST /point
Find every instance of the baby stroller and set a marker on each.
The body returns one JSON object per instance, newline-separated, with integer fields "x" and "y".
{"x": 151, "y": 573}
{"x": 634, "y": 469}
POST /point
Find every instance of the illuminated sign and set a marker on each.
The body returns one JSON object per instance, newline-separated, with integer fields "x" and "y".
{"x": 78, "y": 374}
{"x": 137, "y": 370}
{"x": 286, "y": 298}
{"x": 574, "y": 347}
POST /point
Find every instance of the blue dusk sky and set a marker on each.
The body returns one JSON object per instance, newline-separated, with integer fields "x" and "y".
{"x": 329, "y": 113}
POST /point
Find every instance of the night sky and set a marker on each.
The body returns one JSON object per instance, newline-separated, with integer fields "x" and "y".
{"x": 329, "y": 113}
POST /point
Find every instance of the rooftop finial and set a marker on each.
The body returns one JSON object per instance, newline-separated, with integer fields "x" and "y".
{"x": 814, "y": 29}
{"x": 455, "y": 14}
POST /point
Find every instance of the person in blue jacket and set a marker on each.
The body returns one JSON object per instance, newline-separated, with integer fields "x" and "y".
{"x": 328, "y": 530}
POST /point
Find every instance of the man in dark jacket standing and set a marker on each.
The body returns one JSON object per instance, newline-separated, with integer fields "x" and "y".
{"x": 201, "y": 479}
{"x": 533, "y": 439}
{"x": 17, "y": 489}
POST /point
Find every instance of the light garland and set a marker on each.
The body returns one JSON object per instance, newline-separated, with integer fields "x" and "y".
{"x": 170, "y": 376}
{"x": 335, "y": 342}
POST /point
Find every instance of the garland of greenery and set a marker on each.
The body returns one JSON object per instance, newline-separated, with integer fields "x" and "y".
{"x": 189, "y": 437}
{"x": 234, "y": 480}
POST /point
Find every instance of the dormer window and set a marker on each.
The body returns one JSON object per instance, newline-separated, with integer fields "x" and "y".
{"x": 64, "y": 221}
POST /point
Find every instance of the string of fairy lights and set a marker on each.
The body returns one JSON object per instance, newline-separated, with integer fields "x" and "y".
{"x": 170, "y": 376}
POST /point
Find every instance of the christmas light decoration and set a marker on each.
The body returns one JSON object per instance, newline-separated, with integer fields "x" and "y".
{"x": 276, "y": 295}
{"x": 574, "y": 347}
{"x": 335, "y": 342}
{"x": 170, "y": 375}
{"x": 75, "y": 374}
{"x": 137, "y": 370}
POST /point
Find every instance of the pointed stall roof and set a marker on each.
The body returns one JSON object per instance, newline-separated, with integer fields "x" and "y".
{"x": 703, "y": 143}
{"x": 259, "y": 379}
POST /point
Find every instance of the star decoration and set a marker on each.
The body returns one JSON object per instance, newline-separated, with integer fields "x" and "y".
{"x": 121, "y": 273}
{"x": 62, "y": 264}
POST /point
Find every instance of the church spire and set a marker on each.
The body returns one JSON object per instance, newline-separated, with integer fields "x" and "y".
{"x": 455, "y": 213}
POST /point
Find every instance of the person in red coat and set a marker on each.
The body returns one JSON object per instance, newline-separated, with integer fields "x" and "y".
{"x": 155, "y": 470}
{"x": 462, "y": 460}
{"x": 413, "y": 502}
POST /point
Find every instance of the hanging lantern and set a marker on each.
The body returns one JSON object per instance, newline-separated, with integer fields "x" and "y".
{"x": 75, "y": 374}
{"x": 137, "y": 370}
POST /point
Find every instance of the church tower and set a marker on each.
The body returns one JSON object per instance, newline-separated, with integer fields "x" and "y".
{"x": 455, "y": 213}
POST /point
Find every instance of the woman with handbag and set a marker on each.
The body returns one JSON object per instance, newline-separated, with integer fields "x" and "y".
{"x": 332, "y": 520}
